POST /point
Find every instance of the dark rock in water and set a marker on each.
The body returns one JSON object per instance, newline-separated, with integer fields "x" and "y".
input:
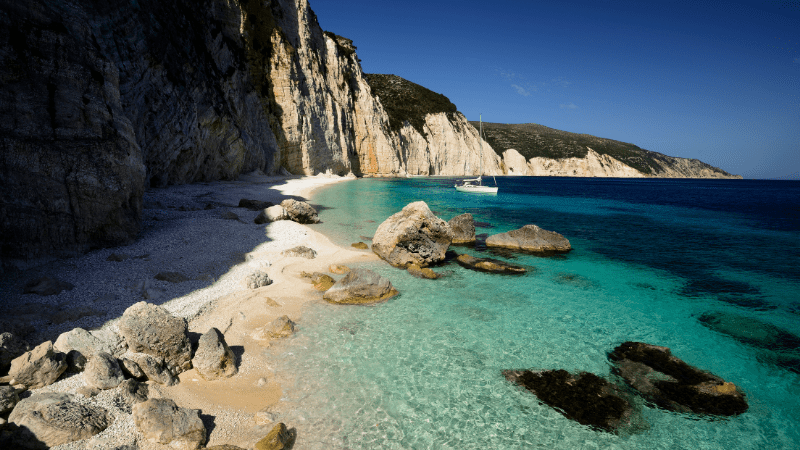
{"x": 254, "y": 205}
{"x": 778, "y": 346}
{"x": 585, "y": 397}
{"x": 531, "y": 238}
{"x": 47, "y": 286}
{"x": 463, "y": 227}
{"x": 489, "y": 265}
{"x": 670, "y": 383}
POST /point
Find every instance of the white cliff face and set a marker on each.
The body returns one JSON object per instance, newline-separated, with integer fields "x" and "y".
{"x": 451, "y": 146}
{"x": 593, "y": 165}
{"x": 329, "y": 120}
{"x": 515, "y": 164}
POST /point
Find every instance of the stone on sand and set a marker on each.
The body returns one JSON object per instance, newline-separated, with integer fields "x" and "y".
{"x": 150, "y": 329}
{"x": 214, "y": 358}
{"x": 162, "y": 421}
{"x": 49, "y": 419}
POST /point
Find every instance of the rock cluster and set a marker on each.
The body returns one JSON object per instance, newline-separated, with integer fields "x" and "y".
{"x": 651, "y": 371}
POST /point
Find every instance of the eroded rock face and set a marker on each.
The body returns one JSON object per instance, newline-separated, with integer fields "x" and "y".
{"x": 360, "y": 286}
{"x": 672, "y": 384}
{"x": 489, "y": 265}
{"x": 150, "y": 329}
{"x": 38, "y": 367}
{"x": 214, "y": 359}
{"x": 583, "y": 397}
{"x": 300, "y": 212}
{"x": 160, "y": 420}
{"x": 463, "y": 227}
{"x": 51, "y": 419}
{"x": 530, "y": 238}
{"x": 412, "y": 236}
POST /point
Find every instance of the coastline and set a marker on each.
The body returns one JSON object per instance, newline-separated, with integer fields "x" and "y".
{"x": 215, "y": 252}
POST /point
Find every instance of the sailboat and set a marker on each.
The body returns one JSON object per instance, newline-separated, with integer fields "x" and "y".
{"x": 475, "y": 185}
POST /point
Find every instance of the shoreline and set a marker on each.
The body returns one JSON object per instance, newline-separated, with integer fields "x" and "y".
{"x": 215, "y": 252}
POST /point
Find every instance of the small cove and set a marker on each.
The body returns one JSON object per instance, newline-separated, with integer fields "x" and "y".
{"x": 651, "y": 256}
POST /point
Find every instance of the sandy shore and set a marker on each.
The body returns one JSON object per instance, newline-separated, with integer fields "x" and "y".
{"x": 191, "y": 229}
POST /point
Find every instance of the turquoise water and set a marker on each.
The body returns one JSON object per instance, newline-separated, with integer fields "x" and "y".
{"x": 650, "y": 257}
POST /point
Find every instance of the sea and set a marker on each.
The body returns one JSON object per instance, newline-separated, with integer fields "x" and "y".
{"x": 708, "y": 268}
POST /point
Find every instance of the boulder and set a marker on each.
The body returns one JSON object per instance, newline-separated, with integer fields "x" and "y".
{"x": 300, "y": 212}
{"x": 301, "y": 251}
{"x": 670, "y": 383}
{"x": 530, "y": 238}
{"x": 214, "y": 359}
{"x": 254, "y": 205}
{"x": 258, "y": 279}
{"x": 463, "y": 227}
{"x": 47, "y": 286}
{"x": 161, "y": 421}
{"x": 272, "y": 214}
{"x": 172, "y": 277}
{"x": 11, "y": 347}
{"x": 280, "y": 438}
{"x": 38, "y": 367}
{"x": 103, "y": 371}
{"x": 279, "y": 328}
{"x": 489, "y": 265}
{"x": 583, "y": 397}
{"x": 85, "y": 344}
{"x": 150, "y": 329}
{"x": 360, "y": 286}
{"x": 49, "y": 419}
{"x": 412, "y": 236}
{"x": 153, "y": 367}
{"x": 422, "y": 272}
{"x": 9, "y": 397}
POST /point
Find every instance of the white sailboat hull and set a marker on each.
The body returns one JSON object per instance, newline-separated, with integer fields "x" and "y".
{"x": 476, "y": 189}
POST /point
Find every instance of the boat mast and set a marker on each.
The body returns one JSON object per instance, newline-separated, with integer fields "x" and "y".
{"x": 480, "y": 142}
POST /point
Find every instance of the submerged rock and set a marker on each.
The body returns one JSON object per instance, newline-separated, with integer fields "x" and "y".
{"x": 530, "y": 238}
{"x": 489, "y": 265}
{"x": 412, "y": 236}
{"x": 359, "y": 245}
{"x": 422, "y": 272}
{"x": 583, "y": 397}
{"x": 360, "y": 286}
{"x": 778, "y": 346}
{"x": 670, "y": 383}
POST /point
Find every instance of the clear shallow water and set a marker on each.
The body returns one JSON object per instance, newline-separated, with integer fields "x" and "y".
{"x": 651, "y": 256}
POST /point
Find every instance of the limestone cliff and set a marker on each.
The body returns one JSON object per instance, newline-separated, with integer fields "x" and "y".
{"x": 532, "y": 149}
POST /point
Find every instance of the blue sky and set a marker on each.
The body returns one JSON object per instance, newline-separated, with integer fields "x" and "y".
{"x": 716, "y": 81}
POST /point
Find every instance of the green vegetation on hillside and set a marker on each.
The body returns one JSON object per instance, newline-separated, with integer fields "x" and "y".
{"x": 532, "y": 140}
{"x": 407, "y": 101}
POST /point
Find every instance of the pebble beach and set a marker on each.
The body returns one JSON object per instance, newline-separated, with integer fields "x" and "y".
{"x": 199, "y": 234}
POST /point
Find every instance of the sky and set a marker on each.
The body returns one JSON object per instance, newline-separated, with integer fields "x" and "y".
{"x": 718, "y": 81}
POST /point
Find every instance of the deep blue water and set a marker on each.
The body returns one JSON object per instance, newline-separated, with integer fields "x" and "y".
{"x": 708, "y": 268}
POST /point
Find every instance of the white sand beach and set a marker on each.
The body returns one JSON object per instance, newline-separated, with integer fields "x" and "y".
{"x": 189, "y": 229}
